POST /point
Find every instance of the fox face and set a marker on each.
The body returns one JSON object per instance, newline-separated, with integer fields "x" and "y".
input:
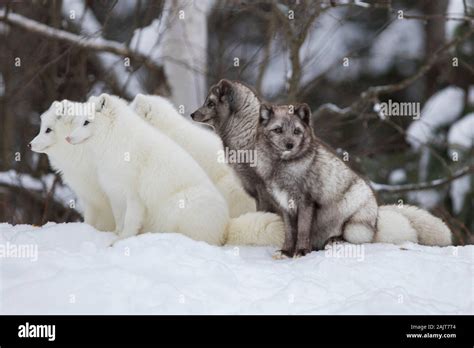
{"x": 49, "y": 133}
{"x": 217, "y": 107}
{"x": 285, "y": 129}
{"x": 85, "y": 125}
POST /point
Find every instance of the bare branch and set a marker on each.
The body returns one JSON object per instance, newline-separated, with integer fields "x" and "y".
{"x": 94, "y": 44}
{"x": 423, "y": 185}
{"x": 372, "y": 93}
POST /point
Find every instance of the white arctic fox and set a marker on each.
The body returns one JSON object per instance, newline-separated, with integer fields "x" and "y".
{"x": 75, "y": 167}
{"x": 203, "y": 145}
{"x": 156, "y": 186}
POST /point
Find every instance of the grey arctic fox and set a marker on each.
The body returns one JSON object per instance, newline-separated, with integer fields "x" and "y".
{"x": 345, "y": 205}
{"x": 319, "y": 196}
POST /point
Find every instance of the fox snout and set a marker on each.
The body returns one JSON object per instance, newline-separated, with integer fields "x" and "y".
{"x": 197, "y": 116}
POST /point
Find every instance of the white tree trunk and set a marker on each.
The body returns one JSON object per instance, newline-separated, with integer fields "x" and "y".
{"x": 184, "y": 52}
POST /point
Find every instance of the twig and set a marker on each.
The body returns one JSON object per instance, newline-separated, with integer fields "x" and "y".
{"x": 423, "y": 185}
{"x": 94, "y": 44}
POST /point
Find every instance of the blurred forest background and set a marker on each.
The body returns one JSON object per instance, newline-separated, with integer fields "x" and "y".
{"x": 344, "y": 58}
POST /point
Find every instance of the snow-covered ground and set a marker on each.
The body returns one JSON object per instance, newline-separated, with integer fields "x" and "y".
{"x": 72, "y": 269}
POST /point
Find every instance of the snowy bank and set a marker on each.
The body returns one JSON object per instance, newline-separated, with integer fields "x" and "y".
{"x": 75, "y": 271}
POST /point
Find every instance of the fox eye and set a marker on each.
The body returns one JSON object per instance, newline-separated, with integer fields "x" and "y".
{"x": 297, "y": 131}
{"x": 211, "y": 104}
{"x": 48, "y": 130}
{"x": 278, "y": 130}
{"x": 86, "y": 123}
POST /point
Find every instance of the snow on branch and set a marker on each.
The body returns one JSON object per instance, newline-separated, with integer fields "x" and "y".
{"x": 373, "y": 93}
{"x": 423, "y": 185}
{"x": 94, "y": 44}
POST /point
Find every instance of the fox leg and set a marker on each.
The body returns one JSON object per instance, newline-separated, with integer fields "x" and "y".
{"x": 305, "y": 223}
{"x": 134, "y": 217}
{"x": 288, "y": 248}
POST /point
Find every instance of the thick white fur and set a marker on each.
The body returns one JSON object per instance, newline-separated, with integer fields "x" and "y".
{"x": 256, "y": 229}
{"x": 399, "y": 223}
{"x": 393, "y": 227}
{"x": 75, "y": 167}
{"x": 205, "y": 218}
{"x": 200, "y": 143}
{"x": 161, "y": 188}
{"x": 152, "y": 183}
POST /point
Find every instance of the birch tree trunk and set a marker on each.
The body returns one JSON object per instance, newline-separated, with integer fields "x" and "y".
{"x": 184, "y": 50}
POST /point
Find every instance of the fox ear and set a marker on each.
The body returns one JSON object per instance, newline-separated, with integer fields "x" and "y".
{"x": 303, "y": 111}
{"x": 225, "y": 87}
{"x": 266, "y": 113}
{"x": 58, "y": 108}
{"x": 101, "y": 102}
{"x": 139, "y": 101}
{"x": 216, "y": 91}
{"x": 225, "y": 90}
{"x": 139, "y": 97}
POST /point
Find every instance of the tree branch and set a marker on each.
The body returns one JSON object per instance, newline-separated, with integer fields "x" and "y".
{"x": 372, "y": 93}
{"x": 94, "y": 44}
{"x": 423, "y": 185}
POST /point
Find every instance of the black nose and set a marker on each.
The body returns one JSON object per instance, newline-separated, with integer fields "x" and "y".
{"x": 192, "y": 115}
{"x": 29, "y": 145}
{"x": 289, "y": 146}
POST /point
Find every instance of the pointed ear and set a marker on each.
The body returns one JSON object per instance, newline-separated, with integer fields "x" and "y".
{"x": 225, "y": 90}
{"x": 225, "y": 87}
{"x": 139, "y": 100}
{"x": 139, "y": 97}
{"x": 58, "y": 108}
{"x": 101, "y": 102}
{"x": 216, "y": 91}
{"x": 303, "y": 111}
{"x": 266, "y": 113}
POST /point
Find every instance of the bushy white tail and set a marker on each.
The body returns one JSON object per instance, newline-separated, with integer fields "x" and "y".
{"x": 394, "y": 225}
{"x": 408, "y": 223}
{"x": 263, "y": 229}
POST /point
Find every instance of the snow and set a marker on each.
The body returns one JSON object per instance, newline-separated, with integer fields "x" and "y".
{"x": 427, "y": 199}
{"x": 441, "y": 109}
{"x": 397, "y": 176}
{"x": 329, "y": 40}
{"x": 455, "y": 9}
{"x": 401, "y": 41}
{"x": 76, "y": 271}
{"x": 62, "y": 193}
{"x": 461, "y": 135}
{"x": 332, "y": 38}
{"x": 458, "y": 191}
{"x": 146, "y": 40}
{"x": 91, "y": 27}
{"x": 273, "y": 82}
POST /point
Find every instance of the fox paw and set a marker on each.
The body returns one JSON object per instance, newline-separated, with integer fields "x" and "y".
{"x": 301, "y": 252}
{"x": 333, "y": 241}
{"x": 281, "y": 255}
